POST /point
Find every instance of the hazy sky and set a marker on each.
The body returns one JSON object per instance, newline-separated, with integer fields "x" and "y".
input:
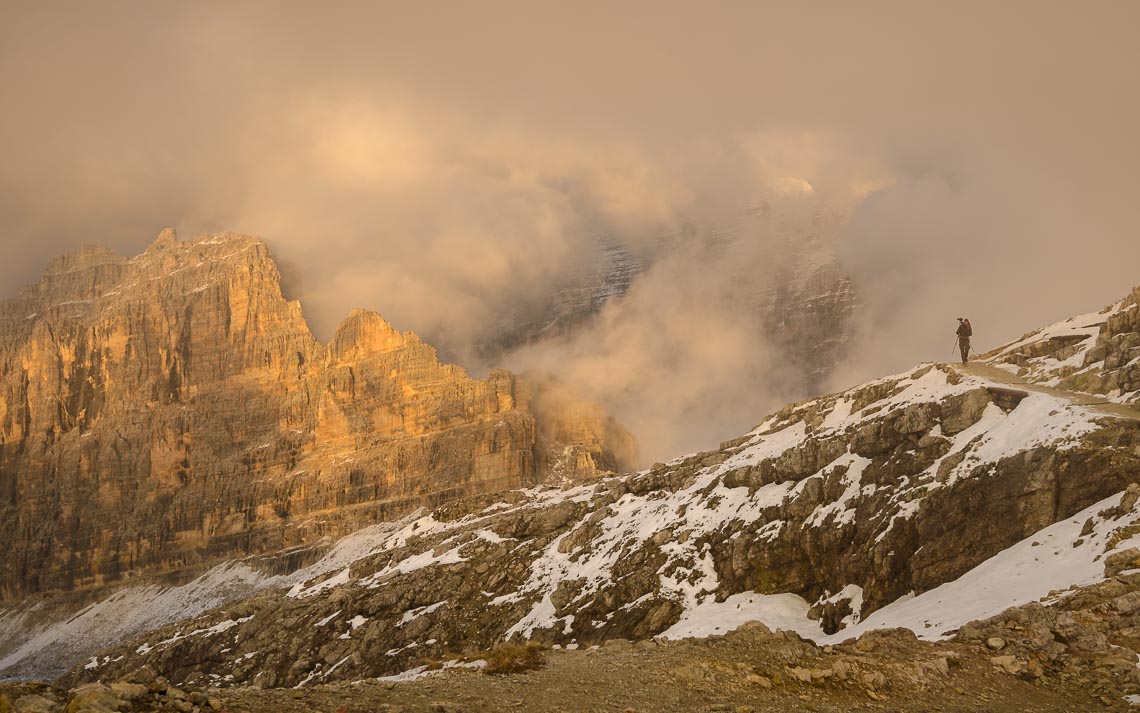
{"x": 445, "y": 162}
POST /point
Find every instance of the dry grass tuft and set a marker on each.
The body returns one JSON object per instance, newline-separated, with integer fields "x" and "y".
{"x": 508, "y": 657}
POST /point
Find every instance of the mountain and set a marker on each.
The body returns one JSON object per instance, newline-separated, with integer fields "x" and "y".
{"x": 165, "y": 412}
{"x": 935, "y": 500}
{"x": 579, "y": 295}
{"x": 804, "y": 306}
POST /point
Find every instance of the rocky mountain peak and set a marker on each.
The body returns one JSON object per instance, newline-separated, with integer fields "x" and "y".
{"x": 167, "y": 238}
{"x": 364, "y": 332}
{"x": 86, "y": 256}
{"x": 163, "y": 412}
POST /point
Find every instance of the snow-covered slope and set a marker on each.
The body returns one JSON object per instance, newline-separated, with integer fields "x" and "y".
{"x": 914, "y": 500}
{"x": 1042, "y": 567}
{"x": 829, "y": 518}
{"x": 1096, "y": 353}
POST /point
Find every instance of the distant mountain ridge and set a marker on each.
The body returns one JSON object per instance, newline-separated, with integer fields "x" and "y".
{"x": 805, "y": 310}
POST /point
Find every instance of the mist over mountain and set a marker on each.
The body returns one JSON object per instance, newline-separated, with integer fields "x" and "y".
{"x": 559, "y": 356}
{"x": 455, "y": 170}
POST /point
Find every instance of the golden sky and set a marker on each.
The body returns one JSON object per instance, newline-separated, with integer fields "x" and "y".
{"x": 445, "y": 162}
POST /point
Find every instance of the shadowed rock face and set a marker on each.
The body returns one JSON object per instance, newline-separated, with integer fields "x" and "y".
{"x": 165, "y": 411}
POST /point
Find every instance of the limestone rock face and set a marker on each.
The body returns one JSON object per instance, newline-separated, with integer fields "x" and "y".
{"x": 161, "y": 412}
{"x": 809, "y": 317}
{"x": 582, "y": 440}
{"x": 851, "y": 502}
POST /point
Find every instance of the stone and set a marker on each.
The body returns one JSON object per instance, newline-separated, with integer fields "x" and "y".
{"x": 1126, "y": 604}
{"x": 939, "y": 666}
{"x": 33, "y": 703}
{"x": 914, "y": 419}
{"x": 963, "y": 410}
{"x": 171, "y": 394}
{"x": 1118, "y": 562}
{"x": 93, "y": 698}
{"x": 128, "y": 691}
{"x": 1007, "y": 663}
{"x": 142, "y": 674}
{"x": 842, "y": 669}
{"x": 873, "y": 680}
{"x": 1129, "y": 499}
{"x": 996, "y": 643}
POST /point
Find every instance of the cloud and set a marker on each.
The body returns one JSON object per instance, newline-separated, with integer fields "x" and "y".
{"x": 452, "y": 166}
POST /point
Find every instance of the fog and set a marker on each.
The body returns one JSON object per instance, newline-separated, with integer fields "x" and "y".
{"x": 449, "y": 164}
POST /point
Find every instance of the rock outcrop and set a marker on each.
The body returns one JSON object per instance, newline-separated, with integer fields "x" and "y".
{"x": 1097, "y": 353}
{"x": 847, "y": 504}
{"x": 171, "y": 410}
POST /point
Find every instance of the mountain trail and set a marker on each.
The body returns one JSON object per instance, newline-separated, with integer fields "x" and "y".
{"x": 1090, "y": 401}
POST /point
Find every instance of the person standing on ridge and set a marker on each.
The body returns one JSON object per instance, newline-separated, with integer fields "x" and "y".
{"x": 965, "y": 331}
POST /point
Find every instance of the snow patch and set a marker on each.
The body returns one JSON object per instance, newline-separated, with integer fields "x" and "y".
{"x": 1024, "y": 573}
{"x": 421, "y": 671}
{"x": 413, "y": 614}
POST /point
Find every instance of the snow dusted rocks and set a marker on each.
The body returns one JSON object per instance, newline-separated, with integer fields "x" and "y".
{"x": 834, "y": 516}
{"x": 1096, "y": 353}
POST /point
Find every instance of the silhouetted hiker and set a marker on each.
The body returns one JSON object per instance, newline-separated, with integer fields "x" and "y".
{"x": 965, "y": 331}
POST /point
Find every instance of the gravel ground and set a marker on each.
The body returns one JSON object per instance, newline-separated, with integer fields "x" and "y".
{"x": 747, "y": 671}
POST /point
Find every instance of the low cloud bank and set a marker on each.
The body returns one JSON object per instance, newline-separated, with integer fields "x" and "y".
{"x": 451, "y": 166}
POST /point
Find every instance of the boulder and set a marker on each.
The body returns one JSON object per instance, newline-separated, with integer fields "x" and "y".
{"x": 961, "y": 411}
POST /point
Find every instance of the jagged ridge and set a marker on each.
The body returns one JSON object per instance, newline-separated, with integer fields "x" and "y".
{"x": 172, "y": 410}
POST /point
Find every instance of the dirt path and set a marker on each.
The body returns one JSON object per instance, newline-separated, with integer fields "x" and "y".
{"x": 740, "y": 673}
{"x": 1090, "y": 401}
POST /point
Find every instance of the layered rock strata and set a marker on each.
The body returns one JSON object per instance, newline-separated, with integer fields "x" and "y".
{"x": 851, "y": 503}
{"x": 169, "y": 410}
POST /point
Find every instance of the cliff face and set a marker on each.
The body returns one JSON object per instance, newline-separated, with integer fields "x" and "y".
{"x": 171, "y": 409}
